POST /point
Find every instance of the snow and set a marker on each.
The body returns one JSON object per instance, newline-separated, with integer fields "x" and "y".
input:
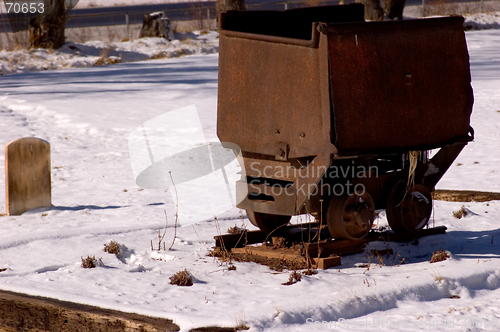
{"x": 87, "y": 116}
{"x": 482, "y": 21}
{"x": 77, "y": 55}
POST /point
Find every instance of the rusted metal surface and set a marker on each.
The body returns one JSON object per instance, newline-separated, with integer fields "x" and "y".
{"x": 313, "y": 42}
{"x": 399, "y": 84}
{"x": 270, "y": 84}
{"x": 439, "y": 164}
{"x": 269, "y": 97}
{"x": 304, "y": 92}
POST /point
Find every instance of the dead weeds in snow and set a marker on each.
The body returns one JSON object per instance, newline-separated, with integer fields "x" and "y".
{"x": 221, "y": 253}
{"x": 112, "y": 247}
{"x": 439, "y": 256}
{"x": 182, "y": 278}
{"x": 235, "y": 230}
{"x": 309, "y": 272}
{"x": 241, "y": 327}
{"x": 460, "y": 213}
{"x": 90, "y": 262}
{"x": 294, "y": 278}
{"x": 105, "y": 60}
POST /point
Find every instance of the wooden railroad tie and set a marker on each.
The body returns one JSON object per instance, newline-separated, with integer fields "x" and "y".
{"x": 321, "y": 254}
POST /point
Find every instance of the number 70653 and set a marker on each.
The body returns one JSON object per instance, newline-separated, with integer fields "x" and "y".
{"x": 25, "y": 7}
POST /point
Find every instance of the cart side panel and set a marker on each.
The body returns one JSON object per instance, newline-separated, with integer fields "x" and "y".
{"x": 397, "y": 85}
{"x": 269, "y": 98}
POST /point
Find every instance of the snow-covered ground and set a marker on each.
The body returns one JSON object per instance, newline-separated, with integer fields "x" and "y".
{"x": 482, "y": 21}
{"x": 87, "y": 116}
{"x": 77, "y": 55}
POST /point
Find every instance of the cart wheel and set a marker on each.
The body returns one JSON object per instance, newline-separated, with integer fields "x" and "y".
{"x": 267, "y": 222}
{"x": 408, "y": 210}
{"x": 350, "y": 216}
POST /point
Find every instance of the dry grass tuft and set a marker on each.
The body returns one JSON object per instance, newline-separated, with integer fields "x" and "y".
{"x": 160, "y": 55}
{"x": 293, "y": 278}
{"x": 309, "y": 272}
{"x": 279, "y": 242}
{"x": 102, "y": 58}
{"x": 113, "y": 248}
{"x": 89, "y": 262}
{"x": 105, "y": 60}
{"x": 222, "y": 254}
{"x": 182, "y": 278}
{"x": 241, "y": 327}
{"x": 235, "y": 230}
{"x": 460, "y": 213}
{"x": 439, "y": 256}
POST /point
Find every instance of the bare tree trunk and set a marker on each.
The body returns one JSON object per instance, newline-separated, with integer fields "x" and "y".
{"x": 47, "y": 30}
{"x": 225, "y": 5}
{"x": 393, "y": 8}
{"x": 373, "y": 10}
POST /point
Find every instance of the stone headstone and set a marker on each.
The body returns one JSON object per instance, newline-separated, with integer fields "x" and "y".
{"x": 27, "y": 175}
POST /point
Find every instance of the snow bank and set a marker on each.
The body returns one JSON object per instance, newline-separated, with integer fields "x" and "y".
{"x": 482, "y": 21}
{"x": 75, "y": 55}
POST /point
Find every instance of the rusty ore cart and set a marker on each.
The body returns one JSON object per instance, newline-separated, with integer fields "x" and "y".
{"x": 336, "y": 116}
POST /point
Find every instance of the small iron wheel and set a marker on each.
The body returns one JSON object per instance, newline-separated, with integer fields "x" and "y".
{"x": 408, "y": 210}
{"x": 267, "y": 222}
{"x": 350, "y": 216}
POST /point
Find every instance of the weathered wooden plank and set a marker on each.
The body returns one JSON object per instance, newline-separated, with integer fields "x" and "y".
{"x": 322, "y": 254}
{"x": 464, "y": 196}
{"x": 282, "y": 253}
{"x": 21, "y": 312}
{"x": 327, "y": 262}
{"x": 291, "y": 255}
{"x": 238, "y": 240}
